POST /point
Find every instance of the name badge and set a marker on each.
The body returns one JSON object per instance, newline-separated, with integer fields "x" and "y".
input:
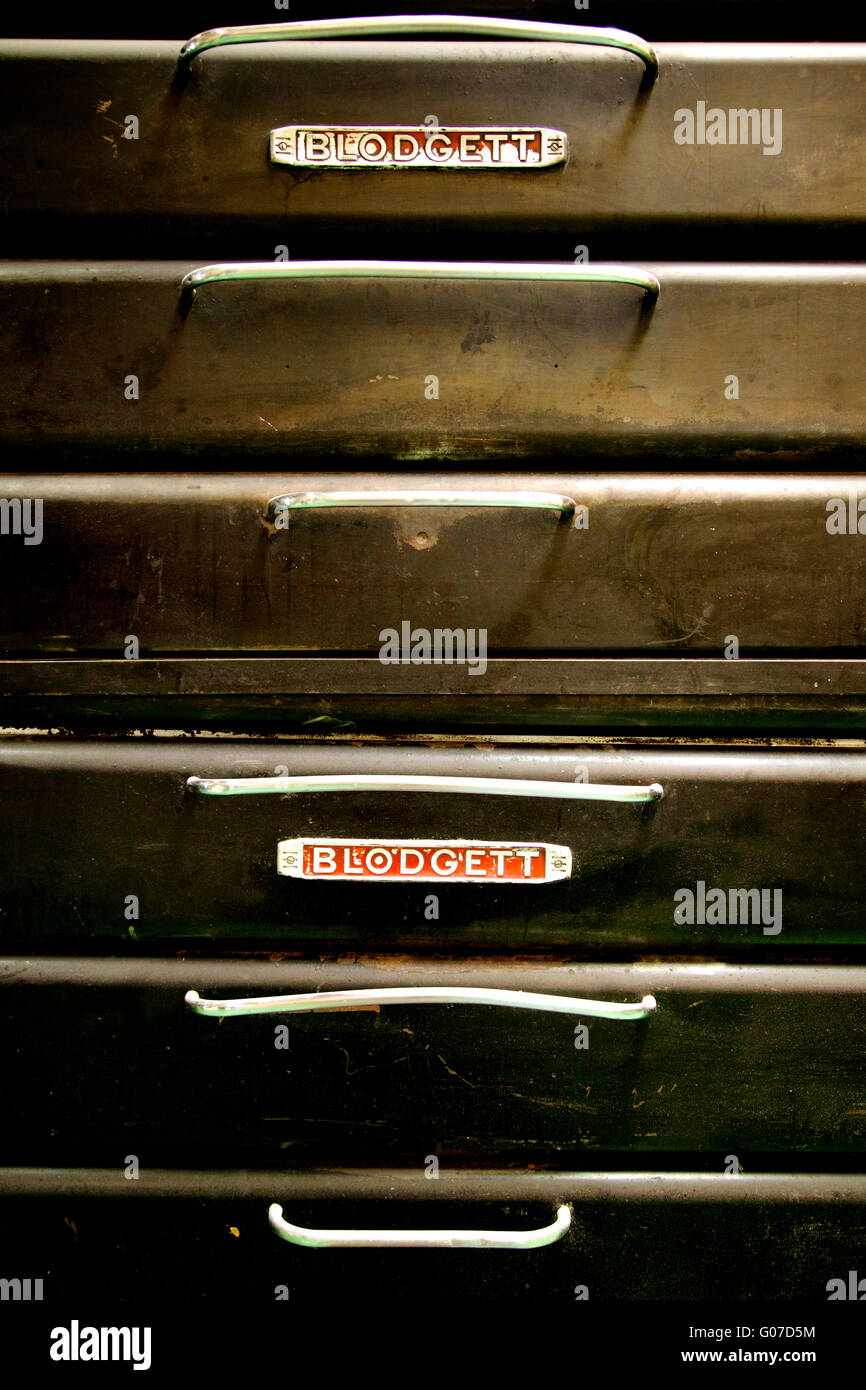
{"x": 417, "y": 147}
{"x": 423, "y": 861}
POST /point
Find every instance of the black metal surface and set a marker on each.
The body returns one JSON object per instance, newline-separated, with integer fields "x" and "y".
{"x": 659, "y": 565}
{"x": 106, "y": 1062}
{"x": 200, "y": 1237}
{"x": 85, "y": 825}
{"x": 200, "y": 164}
{"x": 271, "y": 676}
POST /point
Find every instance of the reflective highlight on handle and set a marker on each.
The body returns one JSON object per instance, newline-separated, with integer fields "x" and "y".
{"x": 420, "y": 1240}
{"x": 305, "y": 501}
{"x": 462, "y": 26}
{"x": 604, "y": 273}
{"x": 398, "y": 782}
{"x": 326, "y": 1000}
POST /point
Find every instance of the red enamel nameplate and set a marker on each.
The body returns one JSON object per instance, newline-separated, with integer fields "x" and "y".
{"x": 423, "y": 861}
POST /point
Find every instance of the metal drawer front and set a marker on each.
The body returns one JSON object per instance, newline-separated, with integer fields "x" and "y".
{"x": 757, "y": 1062}
{"x": 420, "y": 361}
{"x": 203, "y": 564}
{"x": 199, "y": 1235}
{"x": 133, "y": 133}
{"x": 656, "y": 848}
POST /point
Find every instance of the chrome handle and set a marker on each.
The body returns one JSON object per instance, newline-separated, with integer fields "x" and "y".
{"x": 603, "y": 273}
{"x": 420, "y": 1240}
{"x": 385, "y": 782}
{"x": 326, "y": 1000}
{"x": 304, "y": 501}
{"x": 464, "y": 26}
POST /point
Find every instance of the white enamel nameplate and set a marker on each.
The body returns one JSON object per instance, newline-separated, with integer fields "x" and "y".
{"x": 423, "y": 861}
{"x": 417, "y": 147}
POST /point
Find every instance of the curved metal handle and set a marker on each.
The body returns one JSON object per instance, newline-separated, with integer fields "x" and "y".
{"x": 420, "y": 1240}
{"x": 463, "y": 26}
{"x": 326, "y": 1000}
{"x": 604, "y": 273}
{"x": 406, "y": 497}
{"x": 399, "y": 782}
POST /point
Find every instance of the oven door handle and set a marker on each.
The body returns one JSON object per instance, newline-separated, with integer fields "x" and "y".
{"x": 279, "y": 507}
{"x": 398, "y": 782}
{"x": 420, "y": 26}
{"x": 597, "y": 273}
{"x": 326, "y": 1001}
{"x": 419, "y": 1240}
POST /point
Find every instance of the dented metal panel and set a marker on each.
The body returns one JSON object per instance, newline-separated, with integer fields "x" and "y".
{"x": 203, "y": 565}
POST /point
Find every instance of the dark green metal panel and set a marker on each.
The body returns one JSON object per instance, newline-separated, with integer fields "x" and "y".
{"x": 309, "y": 695}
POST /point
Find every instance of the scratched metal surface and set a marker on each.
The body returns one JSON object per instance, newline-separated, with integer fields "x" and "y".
{"x": 523, "y": 368}
{"x": 759, "y": 1062}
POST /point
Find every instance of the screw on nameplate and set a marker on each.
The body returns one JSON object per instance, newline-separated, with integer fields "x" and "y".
{"x": 424, "y": 861}
{"x": 417, "y": 147}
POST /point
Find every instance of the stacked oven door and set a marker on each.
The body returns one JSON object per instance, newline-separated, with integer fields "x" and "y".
{"x": 432, "y": 680}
